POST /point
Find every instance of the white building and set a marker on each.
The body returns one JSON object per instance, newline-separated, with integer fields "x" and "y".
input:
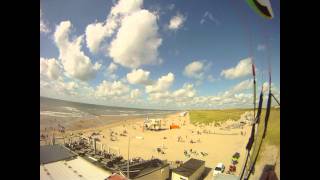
{"x": 57, "y": 162}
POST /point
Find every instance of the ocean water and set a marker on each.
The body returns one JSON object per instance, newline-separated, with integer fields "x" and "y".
{"x": 53, "y": 111}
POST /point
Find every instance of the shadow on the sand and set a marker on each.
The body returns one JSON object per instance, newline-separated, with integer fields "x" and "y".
{"x": 269, "y": 173}
{"x": 162, "y": 129}
{"x": 206, "y": 172}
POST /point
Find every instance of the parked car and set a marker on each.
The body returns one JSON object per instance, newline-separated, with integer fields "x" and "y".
{"x": 235, "y": 158}
{"x": 218, "y": 169}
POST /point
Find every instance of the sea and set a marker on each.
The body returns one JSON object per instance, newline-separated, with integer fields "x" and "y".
{"x": 55, "y": 111}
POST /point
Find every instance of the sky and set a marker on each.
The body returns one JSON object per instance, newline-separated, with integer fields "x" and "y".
{"x": 157, "y": 54}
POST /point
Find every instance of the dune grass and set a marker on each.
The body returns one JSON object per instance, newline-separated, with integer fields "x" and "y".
{"x": 215, "y": 116}
{"x": 219, "y": 116}
{"x": 273, "y": 131}
{"x": 272, "y": 134}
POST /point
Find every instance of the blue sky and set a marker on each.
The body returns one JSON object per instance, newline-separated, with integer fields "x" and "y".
{"x": 165, "y": 54}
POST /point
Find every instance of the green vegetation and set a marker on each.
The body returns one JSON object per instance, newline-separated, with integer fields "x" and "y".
{"x": 273, "y": 132}
{"x": 215, "y": 116}
{"x": 219, "y": 116}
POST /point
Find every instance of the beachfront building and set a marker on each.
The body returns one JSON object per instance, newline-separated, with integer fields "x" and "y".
{"x": 57, "y": 162}
{"x": 152, "y": 124}
{"x": 182, "y": 114}
{"x": 154, "y": 169}
{"x": 190, "y": 170}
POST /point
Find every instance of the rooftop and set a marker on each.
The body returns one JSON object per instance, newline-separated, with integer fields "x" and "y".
{"x": 74, "y": 169}
{"x": 145, "y": 168}
{"x": 189, "y": 167}
{"x": 53, "y": 153}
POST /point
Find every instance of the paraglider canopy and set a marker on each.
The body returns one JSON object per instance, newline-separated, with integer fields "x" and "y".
{"x": 262, "y": 7}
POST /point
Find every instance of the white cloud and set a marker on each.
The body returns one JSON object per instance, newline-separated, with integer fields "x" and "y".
{"x": 112, "y": 68}
{"x": 95, "y": 33}
{"x": 208, "y": 16}
{"x": 140, "y": 46}
{"x": 49, "y": 68}
{"x": 176, "y": 22}
{"x": 243, "y": 68}
{"x": 243, "y": 85}
{"x": 180, "y": 97}
{"x": 261, "y": 47}
{"x": 163, "y": 84}
{"x": 98, "y": 31}
{"x": 171, "y": 7}
{"x": 106, "y": 88}
{"x": 135, "y": 93}
{"x": 138, "y": 76}
{"x": 110, "y": 71}
{"x": 74, "y": 61}
{"x": 186, "y": 91}
{"x": 43, "y": 25}
{"x": 159, "y": 96}
{"x": 59, "y": 87}
{"x": 211, "y": 78}
{"x": 194, "y": 70}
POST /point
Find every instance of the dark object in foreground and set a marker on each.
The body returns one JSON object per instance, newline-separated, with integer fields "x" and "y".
{"x": 269, "y": 173}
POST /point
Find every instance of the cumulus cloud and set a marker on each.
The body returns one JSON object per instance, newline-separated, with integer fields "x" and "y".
{"x": 187, "y": 91}
{"x": 43, "y": 25}
{"x": 180, "y": 97}
{"x": 112, "y": 68}
{"x": 243, "y": 68}
{"x": 243, "y": 85}
{"x": 59, "y": 87}
{"x": 140, "y": 46}
{"x": 110, "y": 71}
{"x": 115, "y": 88}
{"x": 98, "y": 31}
{"x": 135, "y": 93}
{"x": 49, "y": 68}
{"x": 211, "y": 78}
{"x": 194, "y": 70}
{"x": 138, "y": 76}
{"x": 95, "y": 33}
{"x": 74, "y": 61}
{"x": 162, "y": 84}
{"x": 176, "y": 22}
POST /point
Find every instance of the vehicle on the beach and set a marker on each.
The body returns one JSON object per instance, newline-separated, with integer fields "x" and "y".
{"x": 235, "y": 158}
{"x": 218, "y": 169}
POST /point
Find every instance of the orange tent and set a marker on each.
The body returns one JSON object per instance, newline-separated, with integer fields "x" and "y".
{"x": 174, "y": 126}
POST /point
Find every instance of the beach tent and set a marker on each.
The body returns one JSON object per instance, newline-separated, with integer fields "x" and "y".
{"x": 174, "y": 126}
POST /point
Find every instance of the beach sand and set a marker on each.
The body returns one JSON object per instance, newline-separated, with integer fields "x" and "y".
{"x": 220, "y": 145}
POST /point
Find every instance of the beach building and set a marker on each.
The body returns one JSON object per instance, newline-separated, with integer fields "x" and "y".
{"x": 152, "y": 124}
{"x": 183, "y": 114}
{"x": 57, "y": 162}
{"x": 154, "y": 169}
{"x": 190, "y": 170}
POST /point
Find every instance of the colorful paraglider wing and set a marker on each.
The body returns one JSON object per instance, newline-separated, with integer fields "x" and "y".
{"x": 262, "y": 7}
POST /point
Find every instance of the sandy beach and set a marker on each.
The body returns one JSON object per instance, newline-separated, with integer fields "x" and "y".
{"x": 217, "y": 145}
